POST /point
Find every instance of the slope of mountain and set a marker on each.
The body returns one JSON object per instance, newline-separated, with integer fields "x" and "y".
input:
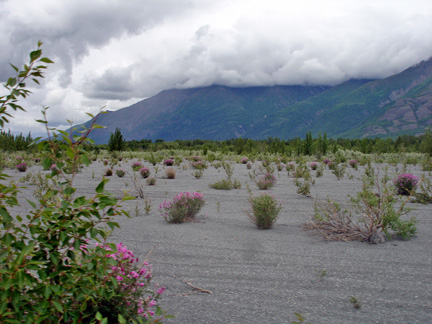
{"x": 215, "y": 112}
{"x": 400, "y": 104}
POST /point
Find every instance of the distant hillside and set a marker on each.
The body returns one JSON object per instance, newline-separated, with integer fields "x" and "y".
{"x": 400, "y": 104}
{"x": 215, "y": 112}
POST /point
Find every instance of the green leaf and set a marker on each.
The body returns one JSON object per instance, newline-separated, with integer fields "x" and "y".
{"x": 101, "y": 186}
{"x": 58, "y": 306}
{"x": 35, "y": 55}
{"x": 95, "y": 126}
{"x": 5, "y": 215}
{"x": 46, "y": 60}
{"x": 85, "y": 160}
{"x": 99, "y": 316}
{"x": 11, "y": 82}
{"x": 14, "y": 67}
{"x": 47, "y": 291}
{"x": 20, "y": 278}
{"x": 121, "y": 319}
{"x": 31, "y": 203}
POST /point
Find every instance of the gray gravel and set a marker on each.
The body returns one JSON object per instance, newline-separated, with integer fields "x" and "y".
{"x": 264, "y": 276}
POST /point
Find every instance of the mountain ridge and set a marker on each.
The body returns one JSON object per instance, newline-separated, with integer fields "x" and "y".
{"x": 397, "y": 105}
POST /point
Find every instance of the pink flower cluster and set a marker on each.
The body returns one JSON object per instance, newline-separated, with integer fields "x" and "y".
{"x": 266, "y": 182}
{"x": 145, "y": 172}
{"x": 405, "y": 183}
{"x": 290, "y": 166}
{"x": 185, "y": 205}
{"x": 352, "y": 163}
{"x": 244, "y": 160}
{"x": 133, "y": 280}
{"x": 313, "y": 165}
{"x": 22, "y": 167}
{"x": 136, "y": 166}
{"x": 169, "y": 162}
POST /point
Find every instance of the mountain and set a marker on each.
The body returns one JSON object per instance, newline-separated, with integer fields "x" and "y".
{"x": 215, "y": 112}
{"x": 399, "y": 104}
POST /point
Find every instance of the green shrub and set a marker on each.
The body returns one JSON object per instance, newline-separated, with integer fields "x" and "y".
{"x": 48, "y": 273}
{"x": 264, "y": 210}
{"x": 223, "y": 184}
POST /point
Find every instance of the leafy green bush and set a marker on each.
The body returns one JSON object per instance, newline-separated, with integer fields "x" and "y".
{"x": 223, "y": 184}
{"x": 48, "y": 273}
{"x": 264, "y": 210}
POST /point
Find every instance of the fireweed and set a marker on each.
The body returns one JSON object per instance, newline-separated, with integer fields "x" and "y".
{"x": 244, "y": 160}
{"x": 127, "y": 284}
{"x": 145, "y": 172}
{"x": 136, "y": 166}
{"x": 169, "y": 162}
{"x": 199, "y": 165}
{"x": 313, "y": 165}
{"x": 266, "y": 182}
{"x": 290, "y": 166}
{"x": 120, "y": 173}
{"x": 47, "y": 274}
{"x": 406, "y": 183}
{"x": 280, "y": 166}
{"x": 184, "y": 207}
{"x": 353, "y": 164}
{"x": 22, "y": 167}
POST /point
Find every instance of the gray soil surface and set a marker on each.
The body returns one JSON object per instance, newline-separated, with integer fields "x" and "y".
{"x": 265, "y": 276}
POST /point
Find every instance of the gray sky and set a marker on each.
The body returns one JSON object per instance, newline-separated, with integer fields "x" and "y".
{"x": 113, "y": 53}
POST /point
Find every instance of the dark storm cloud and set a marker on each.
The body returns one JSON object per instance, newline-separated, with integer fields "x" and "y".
{"x": 69, "y": 29}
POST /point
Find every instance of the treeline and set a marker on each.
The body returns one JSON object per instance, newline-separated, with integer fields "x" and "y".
{"x": 307, "y": 146}
{"x": 10, "y": 142}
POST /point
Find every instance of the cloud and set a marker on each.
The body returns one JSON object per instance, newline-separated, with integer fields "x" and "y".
{"x": 113, "y": 53}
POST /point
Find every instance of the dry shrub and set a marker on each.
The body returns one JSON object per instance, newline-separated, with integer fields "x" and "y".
{"x": 170, "y": 173}
{"x": 372, "y": 215}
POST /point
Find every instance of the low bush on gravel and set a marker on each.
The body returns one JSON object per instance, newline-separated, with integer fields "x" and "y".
{"x": 120, "y": 173}
{"x": 266, "y": 182}
{"x": 264, "y": 210}
{"x": 372, "y": 215}
{"x": 170, "y": 173}
{"x": 145, "y": 172}
{"x": 184, "y": 207}
{"x": 136, "y": 166}
{"x": 406, "y": 184}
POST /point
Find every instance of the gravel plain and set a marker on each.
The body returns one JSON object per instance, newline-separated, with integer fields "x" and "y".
{"x": 264, "y": 276}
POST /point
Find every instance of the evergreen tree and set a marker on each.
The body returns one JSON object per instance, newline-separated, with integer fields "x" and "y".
{"x": 307, "y": 148}
{"x": 116, "y": 141}
{"x": 324, "y": 146}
